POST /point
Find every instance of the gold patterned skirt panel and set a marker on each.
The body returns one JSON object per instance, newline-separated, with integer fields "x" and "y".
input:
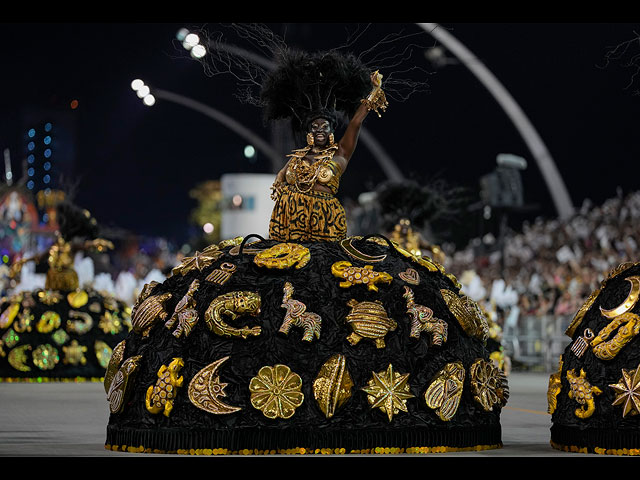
{"x": 314, "y": 216}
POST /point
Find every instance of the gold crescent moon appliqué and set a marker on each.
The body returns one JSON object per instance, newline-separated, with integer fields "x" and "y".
{"x": 628, "y": 303}
{"x": 352, "y": 251}
{"x": 205, "y": 389}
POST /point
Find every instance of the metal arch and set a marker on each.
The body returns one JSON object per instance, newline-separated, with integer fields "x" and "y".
{"x": 250, "y": 136}
{"x": 547, "y": 167}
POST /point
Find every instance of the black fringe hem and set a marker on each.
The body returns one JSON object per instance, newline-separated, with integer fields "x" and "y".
{"x": 279, "y": 440}
{"x": 595, "y": 440}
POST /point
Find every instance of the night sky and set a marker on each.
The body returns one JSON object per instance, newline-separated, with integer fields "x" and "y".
{"x": 135, "y": 164}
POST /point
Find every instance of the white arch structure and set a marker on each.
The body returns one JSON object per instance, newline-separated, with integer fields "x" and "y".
{"x": 547, "y": 167}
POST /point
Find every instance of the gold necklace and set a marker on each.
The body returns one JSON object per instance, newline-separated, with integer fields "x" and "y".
{"x": 306, "y": 174}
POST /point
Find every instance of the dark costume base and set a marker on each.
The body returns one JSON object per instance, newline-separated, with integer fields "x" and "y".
{"x": 197, "y": 386}
{"x": 53, "y": 335}
{"x": 593, "y": 396}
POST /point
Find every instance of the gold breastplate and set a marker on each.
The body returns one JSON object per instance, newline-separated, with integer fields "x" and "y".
{"x": 324, "y": 170}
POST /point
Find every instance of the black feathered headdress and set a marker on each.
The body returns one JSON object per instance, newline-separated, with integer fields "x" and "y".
{"x": 75, "y": 222}
{"x": 306, "y": 86}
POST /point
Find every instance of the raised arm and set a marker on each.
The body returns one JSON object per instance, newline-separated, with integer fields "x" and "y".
{"x": 374, "y": 101}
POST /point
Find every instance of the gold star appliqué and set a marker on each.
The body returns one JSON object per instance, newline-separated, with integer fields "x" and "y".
{"x": 628, "y": 391}
{"x": 388, "y": 391}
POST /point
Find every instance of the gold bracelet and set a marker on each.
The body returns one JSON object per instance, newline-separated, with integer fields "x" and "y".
{"x": 376, "y": 100}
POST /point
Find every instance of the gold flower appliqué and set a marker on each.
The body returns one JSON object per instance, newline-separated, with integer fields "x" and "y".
{"x": 276, "y": 391}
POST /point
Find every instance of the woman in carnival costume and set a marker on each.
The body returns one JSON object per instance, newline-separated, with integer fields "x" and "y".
{"x": 308, "y": 341}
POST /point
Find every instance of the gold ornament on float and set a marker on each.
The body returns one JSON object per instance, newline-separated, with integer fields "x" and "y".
{"x": 444, "y": 392}
{"x": 555, "y": 385}
{"x": 276, "y": 391}
{"x": 369, "y": 320}
{"x": 81, "y": 326}
{"x": 411, "y": 276}
{"x": 185, "y": 313}
{"x": 77, "y": 298}
{"x": 298, "y": 316}
{"x": 422, "y": 320}
{"x": 347, "y": 246}
{"x": 114, "y": 364}
{"x": 25, "y": 319}
{"x": 144, "y": 294}
{"x": 234, "y": 305}
{"x": 488, "y": 385}
{"x": 49, "y": 297}
{"x": 199, "y": 261}
{"x": 581, "y": 344}
{"x": 388, "y": 391}
{"x": 110, "y": 323}
{"x": 145, "y": 315}
{"x": 283, "y": 256}
{"x": 332, "y": 386}
{"x": 627, "y": 326}
{"x": 205, "y": 389}
{"x": 48, "y": 322}
{"x": 74, "y": 354}
{"x": 221, "y": 274}
{"x": 17, "y": 358}
{"x": 45, "y": 357}
{"x": 103, "y": 353}
{"x": 9, "y": 314}
{"x": 351, "y": 275}
{"x": 628, "y": 303}
{"x": 627, "y": 392}
{"x": 231, "y": 242}
{"x": 577, "y": 319}
{"x": 10, "y": 339}
{"x": 583, "y": 393}
{"x": 119, "y": 388}
{"x": 160, "y": 396}
{"x": 468, "y": 314}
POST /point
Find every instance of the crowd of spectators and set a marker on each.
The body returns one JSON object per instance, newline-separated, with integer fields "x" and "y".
{"x": 550, "y": 267}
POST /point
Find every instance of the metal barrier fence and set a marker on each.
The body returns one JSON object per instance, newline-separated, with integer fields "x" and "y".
{"x": 536, "y": 342}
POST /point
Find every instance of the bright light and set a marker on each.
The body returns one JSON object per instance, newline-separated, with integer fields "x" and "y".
{"x": 237, "y": 200}
{"x": 143, "y": 91}
{"x": 198, "y": 51}
{"x": 208, "y": 227}
{"x": 136, "y": 84}
{"x": 249, "y": 151}
{"x": 190, "y": 41}
{"x": 182, "y": 33}
{"x": 149, "y": 100}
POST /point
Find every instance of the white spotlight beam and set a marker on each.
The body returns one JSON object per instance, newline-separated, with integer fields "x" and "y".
{"x": 547, "y": 167}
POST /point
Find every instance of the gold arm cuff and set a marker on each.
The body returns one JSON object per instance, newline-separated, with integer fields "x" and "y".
{"x": 376, "y": 100}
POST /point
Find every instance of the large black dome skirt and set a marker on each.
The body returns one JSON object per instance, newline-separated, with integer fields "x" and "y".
{"x": 606, "y": 430}
{"x": 356, "y": 426}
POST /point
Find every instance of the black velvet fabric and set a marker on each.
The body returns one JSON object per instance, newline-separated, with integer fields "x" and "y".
{"x": 92, "y": 369}
{"x": 606, "y": 428}
{"x": 355, "y": 424}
